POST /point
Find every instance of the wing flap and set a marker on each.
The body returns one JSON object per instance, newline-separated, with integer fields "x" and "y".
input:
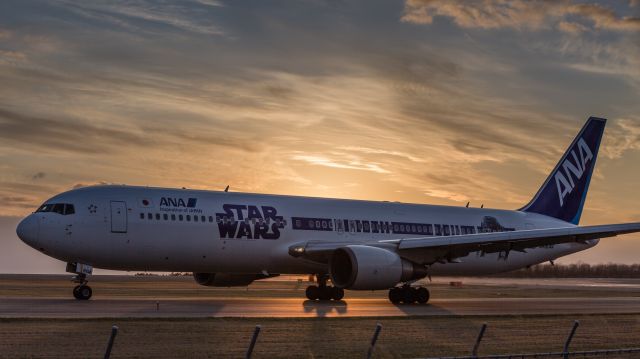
{"x": 520, "y": 239}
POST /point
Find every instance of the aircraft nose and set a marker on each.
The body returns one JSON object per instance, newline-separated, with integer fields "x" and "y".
{"x": 28, "y": 230}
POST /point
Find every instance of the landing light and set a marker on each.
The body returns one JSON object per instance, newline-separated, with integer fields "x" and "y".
{"x": 296, "y": 251}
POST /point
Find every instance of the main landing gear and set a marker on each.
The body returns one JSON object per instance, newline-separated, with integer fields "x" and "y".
{"x": 324, "y": 292}
{"x": 81, "y": 291}
{"x": 408, "y": 295}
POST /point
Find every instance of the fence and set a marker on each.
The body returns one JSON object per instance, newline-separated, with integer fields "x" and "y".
{"x": 564, "y": 354}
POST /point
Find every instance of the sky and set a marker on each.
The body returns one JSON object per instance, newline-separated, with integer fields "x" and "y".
{"x": 421, "y": 101}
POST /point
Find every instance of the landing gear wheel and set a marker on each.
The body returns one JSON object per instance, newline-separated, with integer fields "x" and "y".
{"x": 312, "y": 292}
{"x": 408, "y": 295}
{"x": 422, "y": 295}
{"x": 82, "y": 292}
{"x": 395, "y": 295}
{"x": 324, "y": 293}
{"x": 337, "y": 293}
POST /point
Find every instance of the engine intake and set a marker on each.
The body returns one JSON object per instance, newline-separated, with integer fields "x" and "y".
{"x": 367, "y": 268}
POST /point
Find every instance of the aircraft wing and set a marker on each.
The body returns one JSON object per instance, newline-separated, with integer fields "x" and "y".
{"x": 432, "y": 249}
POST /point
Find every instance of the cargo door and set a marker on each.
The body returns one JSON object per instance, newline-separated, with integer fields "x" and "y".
{"x": 118, "y": 217}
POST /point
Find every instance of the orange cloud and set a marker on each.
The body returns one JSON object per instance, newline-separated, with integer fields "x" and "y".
{"x": 520, "y": 14}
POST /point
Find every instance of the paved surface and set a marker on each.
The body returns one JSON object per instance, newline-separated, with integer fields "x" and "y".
{"x": 295, "y": 307}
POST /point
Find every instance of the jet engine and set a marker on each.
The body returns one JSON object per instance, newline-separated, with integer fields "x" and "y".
{"x": 367, "y": 268}
{"x": 227, "y": 279}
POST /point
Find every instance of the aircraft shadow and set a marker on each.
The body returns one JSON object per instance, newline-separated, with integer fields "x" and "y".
{"x": 324, "y": 308}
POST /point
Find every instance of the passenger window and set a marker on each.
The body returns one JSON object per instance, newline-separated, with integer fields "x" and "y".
{"x": 68, "y": 209}
{"x": 165, "y": 216}
{"x": 195, "y": 218}
{"x": 210, "y": 218}
{"x": 141, "y": 215}
{"x": 158, "y": 216}
{"x": 149, "y": 216}
{"x": 180, "y": 217}
{"x": 173, "y": 217}
{"x": 203, "y": 218}
{"x": 188, "y": 218}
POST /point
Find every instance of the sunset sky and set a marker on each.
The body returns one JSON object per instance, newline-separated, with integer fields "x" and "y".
{"x": 430, "y": 101}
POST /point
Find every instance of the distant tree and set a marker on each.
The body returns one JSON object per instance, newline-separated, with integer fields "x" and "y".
{"x": 576, "y": 270}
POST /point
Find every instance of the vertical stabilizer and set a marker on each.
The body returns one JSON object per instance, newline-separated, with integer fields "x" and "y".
{"x": 564, "y": 192}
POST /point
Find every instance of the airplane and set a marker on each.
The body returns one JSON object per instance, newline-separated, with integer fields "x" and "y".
{"x": 232, "y": 239}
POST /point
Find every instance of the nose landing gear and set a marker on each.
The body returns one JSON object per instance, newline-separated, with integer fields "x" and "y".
{"x": 81, "y": 291}
{"x": 324, "y": 292}
{"x": 408, "y": 295}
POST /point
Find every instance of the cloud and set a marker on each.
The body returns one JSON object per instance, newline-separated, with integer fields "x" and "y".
{"x": 17, "y": 201}
{"x": 77, "y": 136}
{"x": 520, "y": 14}
{"x": 12, "y": 57}
{"x": 354, "y": 164}
{"x": 375, "y": 151}
{"x": 5, "y": 34}
{"x": 61, "y": 135}
{"x": 446, "y": 194}
{"x": 623, "y": 136}
{"x": 572, "y": 27}
{"x": 133, "y": 14}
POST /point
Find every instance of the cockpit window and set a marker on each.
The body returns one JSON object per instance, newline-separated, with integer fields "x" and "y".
{"x": 68, "y": 209}
{"x": 45, "y": 208}
{"x": 60, "y": 208}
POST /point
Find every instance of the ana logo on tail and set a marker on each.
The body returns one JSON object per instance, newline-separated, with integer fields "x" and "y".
{"x": 564, "y": 181}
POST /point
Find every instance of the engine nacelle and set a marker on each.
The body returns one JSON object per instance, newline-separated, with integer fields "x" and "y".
{"x": 367, "y": 268}
{"x": 225, "y": 279}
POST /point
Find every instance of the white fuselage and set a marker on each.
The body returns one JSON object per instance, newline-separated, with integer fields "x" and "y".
{"x": 153, "y": 229}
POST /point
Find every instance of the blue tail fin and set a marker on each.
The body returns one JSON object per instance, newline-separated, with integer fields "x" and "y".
{"x": 563, "y": 194}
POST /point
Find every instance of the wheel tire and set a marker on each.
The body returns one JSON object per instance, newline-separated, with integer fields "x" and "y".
{"x": 84, "y": 292}
{"x": 408, "y": 295}
{"x": 337, "y": 293}
{"x": 312, "y": 292}
{"x": 76, "y": 292}
{"x": 324, "y": 293}
{"x": 422, "y": 295}
{"x": 394, "y": 295}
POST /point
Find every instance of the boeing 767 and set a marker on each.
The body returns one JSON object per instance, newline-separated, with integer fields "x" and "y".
{"x": 233, "y": 239}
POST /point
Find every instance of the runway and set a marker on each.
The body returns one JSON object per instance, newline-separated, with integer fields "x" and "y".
{"x": 20, "y": 307}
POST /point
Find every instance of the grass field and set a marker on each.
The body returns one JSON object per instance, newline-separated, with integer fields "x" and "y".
{"x": 401, "y": 337}
{"x": 311, "y": 338}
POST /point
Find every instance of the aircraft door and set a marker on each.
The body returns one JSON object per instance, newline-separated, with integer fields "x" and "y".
{"x": 118, "y": 217}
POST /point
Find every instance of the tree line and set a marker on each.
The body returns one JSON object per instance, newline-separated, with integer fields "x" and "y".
{"x": 576, "y": 270}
